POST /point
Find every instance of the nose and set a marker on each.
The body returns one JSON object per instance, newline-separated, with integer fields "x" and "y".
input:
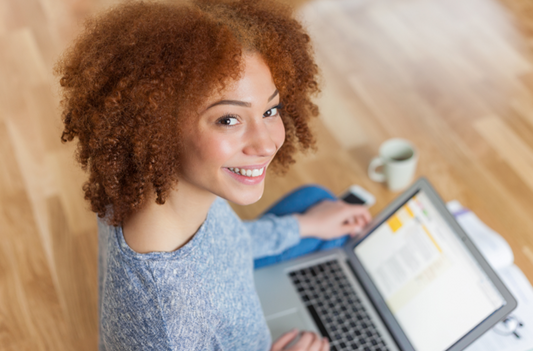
{"x": 261, "y": 139}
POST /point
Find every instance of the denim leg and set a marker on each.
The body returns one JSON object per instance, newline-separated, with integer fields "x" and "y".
{"x": 298, "y": 202}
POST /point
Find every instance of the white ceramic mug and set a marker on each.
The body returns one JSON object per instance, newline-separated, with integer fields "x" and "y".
{"x": 398, "y": 158}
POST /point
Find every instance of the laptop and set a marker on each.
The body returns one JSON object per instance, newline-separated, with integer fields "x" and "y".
{"x": 412, "y": 281}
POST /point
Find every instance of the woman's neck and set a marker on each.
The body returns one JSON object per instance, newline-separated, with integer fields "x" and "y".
{"x": 169, "y": 226}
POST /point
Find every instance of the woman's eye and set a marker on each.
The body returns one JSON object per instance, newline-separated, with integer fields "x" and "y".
{"x": 228, "y": 121}
{"x": 272, "y": 112}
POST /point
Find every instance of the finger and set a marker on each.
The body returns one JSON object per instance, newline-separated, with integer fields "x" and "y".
{"x": 361, "y": 221}
{"x": 354, "y": 211}
{"x": 350, "y": 220}
{"x": 359, "y": 210}
{"x": 325, "y": 345}
{"x": 305, "y": 341}
{"x": 352, "y": 229}
{"x": 316, "y": 345}
{"x": 284, "y": 340}
{"x": 367, "y": 216}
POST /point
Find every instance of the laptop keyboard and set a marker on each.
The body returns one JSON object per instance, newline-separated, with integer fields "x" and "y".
{"x": 336, "y": 309}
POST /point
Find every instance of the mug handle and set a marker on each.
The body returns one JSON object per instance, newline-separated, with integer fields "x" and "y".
{"x": 376, "y": 176}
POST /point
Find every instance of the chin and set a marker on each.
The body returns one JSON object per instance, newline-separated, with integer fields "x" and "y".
{"x": 244, "y": 198}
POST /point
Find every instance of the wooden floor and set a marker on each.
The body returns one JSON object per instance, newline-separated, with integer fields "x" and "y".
{"x": 453, "y": 76}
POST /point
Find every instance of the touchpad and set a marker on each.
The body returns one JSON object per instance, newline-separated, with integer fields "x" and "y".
{"x": 280, "y": 323}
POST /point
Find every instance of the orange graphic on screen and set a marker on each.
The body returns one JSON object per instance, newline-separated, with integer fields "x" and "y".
{"x": 401, "y": 217}
{"x": 394, "y": 223}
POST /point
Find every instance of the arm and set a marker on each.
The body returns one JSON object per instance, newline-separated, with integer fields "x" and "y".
{"x": 271, "y": 234}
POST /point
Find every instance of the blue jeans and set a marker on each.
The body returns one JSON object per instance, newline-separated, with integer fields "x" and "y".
{"x": 298, "y": 202}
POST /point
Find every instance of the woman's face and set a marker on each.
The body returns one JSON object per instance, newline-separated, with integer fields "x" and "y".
{"x": 227, "y": 149}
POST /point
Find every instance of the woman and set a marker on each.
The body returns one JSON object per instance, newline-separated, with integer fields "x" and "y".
{"x": 178, "y": 108}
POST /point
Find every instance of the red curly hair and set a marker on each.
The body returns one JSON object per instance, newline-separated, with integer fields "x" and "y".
{"x": 137, "y": 69}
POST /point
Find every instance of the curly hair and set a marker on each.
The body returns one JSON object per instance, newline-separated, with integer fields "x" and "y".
{"x": 136, "y": 70}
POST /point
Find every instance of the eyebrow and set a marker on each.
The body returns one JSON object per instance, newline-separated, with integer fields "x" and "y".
{"x": 240, "y": 103}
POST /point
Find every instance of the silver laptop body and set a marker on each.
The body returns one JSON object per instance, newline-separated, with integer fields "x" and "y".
{"x": 412, "y": 281}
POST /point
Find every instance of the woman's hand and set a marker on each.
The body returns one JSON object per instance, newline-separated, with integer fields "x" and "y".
{"x": 309, "y": 341}
{"x": 331, "y": 219}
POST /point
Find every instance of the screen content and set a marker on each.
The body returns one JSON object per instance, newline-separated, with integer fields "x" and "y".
{"x": 428, "y": 278}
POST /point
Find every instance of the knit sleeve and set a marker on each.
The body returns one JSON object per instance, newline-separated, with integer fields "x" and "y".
{"x": 131, "y": 319}
{"x": 271, "y": 235}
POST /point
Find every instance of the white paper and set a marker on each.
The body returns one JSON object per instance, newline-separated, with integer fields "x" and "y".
{"x": 499, "y": 255}
{"x": 492, "y": 245}
{"x": 521, "y": 289}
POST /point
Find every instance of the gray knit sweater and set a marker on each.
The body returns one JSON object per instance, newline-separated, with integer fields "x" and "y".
{"x": 200, "y": 297}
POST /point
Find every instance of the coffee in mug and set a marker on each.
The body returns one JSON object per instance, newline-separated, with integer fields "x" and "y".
{"x": 398, "y": 158}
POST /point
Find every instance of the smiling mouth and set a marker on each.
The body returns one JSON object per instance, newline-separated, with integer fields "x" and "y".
{"x": 248, "y": 172}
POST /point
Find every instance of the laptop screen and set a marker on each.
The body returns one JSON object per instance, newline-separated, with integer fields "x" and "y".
{"x": 430, "y": 281}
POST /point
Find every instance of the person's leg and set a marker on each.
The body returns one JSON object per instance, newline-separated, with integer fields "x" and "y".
{"x": 298, "y": 202}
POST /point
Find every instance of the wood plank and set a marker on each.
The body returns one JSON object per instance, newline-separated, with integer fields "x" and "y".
{"x": 75, "y": 256}
{"x": 509, "y": 146}
{"x": 29, "y": 299}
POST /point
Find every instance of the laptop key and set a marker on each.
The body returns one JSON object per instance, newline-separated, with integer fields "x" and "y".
{"x": 335, "y": 307}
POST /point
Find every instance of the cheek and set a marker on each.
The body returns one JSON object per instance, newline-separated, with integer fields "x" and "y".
{"x": 215, "y": 149}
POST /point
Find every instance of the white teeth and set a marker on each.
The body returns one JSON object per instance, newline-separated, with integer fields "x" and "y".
{"x": 248, "y": 172}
